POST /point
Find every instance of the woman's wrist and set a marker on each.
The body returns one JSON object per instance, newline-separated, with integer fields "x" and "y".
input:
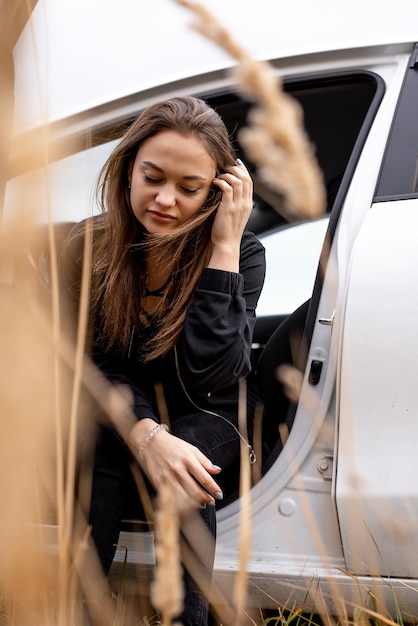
{"x": 143, "y": 433}
{"x": 140, "y": 430}
{"x": 144, "y": 445}
{"x": 225, "y": 257}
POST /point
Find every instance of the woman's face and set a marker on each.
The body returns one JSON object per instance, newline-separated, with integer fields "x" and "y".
{"x": 170, "y": 180}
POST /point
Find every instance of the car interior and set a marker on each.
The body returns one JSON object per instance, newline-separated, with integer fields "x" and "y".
{"x": 338, "y": 110}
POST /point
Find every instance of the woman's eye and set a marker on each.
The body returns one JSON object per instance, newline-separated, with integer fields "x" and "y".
{"x": 150, "y": 180}
{"x": 190, "y": 192}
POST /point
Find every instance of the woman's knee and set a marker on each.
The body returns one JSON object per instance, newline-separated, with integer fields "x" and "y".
{"x": 212, "y": 435}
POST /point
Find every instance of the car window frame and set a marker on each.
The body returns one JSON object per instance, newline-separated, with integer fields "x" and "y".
{"x": 398, "y": 178}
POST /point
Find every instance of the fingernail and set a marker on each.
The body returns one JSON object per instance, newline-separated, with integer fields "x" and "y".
{"x": 239, "y": 162}
{"x": 219, "y": 495}
{"x": 216, "y": 467}
{"x": 202, "y": 506}
{"x": 212, "y": 503}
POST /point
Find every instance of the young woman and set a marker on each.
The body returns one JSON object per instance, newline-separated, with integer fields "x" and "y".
{"x": 175, "y": 282}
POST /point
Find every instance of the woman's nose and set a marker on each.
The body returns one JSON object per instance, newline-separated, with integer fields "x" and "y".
{"x": 166, "y": 196}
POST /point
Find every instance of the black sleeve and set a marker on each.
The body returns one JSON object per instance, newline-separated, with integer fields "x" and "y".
{"x": 214, "y": 350}
{"x": 116, "y": 371}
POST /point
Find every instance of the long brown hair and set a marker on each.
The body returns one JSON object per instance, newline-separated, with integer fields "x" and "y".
{"x": 120, "y": 241}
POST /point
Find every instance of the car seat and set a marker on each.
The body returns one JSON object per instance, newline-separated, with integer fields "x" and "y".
{"x": 285, "y": 346}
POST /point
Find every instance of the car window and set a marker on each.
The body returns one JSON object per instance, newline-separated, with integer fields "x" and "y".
{"x": 63, "y": 192}
{"x": 335, "y": 107}
{"x": 292, "y": 256}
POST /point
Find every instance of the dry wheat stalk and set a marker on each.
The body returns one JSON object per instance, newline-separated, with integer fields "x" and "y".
{"x": 275, "y": 138}
{"x": 38, "y": 585}
{"x": 167, "y": 588}
{"x": 240, "y": 589}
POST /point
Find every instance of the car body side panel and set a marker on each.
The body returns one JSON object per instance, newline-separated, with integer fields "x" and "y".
{"x": 377, "y": 491}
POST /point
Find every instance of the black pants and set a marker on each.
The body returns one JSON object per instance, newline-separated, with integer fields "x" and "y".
{"x": 113, "y": 492}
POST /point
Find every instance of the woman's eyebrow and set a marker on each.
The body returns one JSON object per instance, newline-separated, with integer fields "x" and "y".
{"x": 188, "y": 177}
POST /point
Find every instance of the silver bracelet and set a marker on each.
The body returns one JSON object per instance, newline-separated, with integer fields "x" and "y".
{"x": 148, "y": 439}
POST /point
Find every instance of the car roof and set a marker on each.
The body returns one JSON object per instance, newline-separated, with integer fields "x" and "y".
{"x": 76, "y": 55}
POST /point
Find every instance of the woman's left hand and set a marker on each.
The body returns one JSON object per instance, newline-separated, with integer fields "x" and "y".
{"x": 167, "y": 456}
{"x": 231, "y": 217}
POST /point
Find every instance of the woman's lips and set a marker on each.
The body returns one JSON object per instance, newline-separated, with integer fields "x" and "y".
{"x": 161, "y": 217}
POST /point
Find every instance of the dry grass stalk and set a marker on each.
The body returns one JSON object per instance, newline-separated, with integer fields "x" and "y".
{"x": 35, "y": 585}
{"x": 27, "y": 479}
{"x": 167, "y": 592}
{"x": 256, "y": 468}
{"x": 292, "y": 380}
{"x": 40, "y": 442}
{"x": 275, "y": 138}
{"x": 198, "y": 543}
{"x": 240, "y": 589}
{"x": 37, "y": 467}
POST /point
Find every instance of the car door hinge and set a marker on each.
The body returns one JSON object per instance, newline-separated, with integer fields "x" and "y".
{"x": 325, "y": 466}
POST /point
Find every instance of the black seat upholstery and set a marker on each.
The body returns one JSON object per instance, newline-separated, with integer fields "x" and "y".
{"x": 285, "y": 346}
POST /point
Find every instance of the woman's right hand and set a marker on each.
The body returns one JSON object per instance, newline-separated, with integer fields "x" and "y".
{"x": 169, "y": 456}
{"x": 231, "y": 216}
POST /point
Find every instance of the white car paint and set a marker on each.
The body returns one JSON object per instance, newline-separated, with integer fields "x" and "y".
{"x": 76, "y": 55}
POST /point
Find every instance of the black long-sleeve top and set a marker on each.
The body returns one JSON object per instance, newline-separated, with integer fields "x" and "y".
{"x": 213, "y": 353}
